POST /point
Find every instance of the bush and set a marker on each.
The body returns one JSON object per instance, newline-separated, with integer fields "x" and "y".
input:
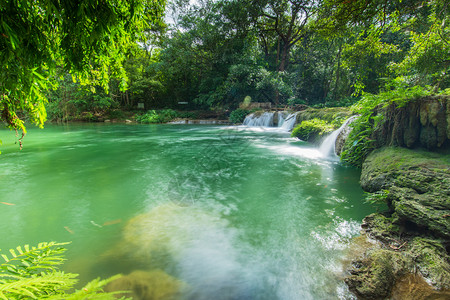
{"x": 360, "y": 142}
{"x": 238, "y": 116}
{"x": 312, "y": 130}
{"x": 161, "y": 116}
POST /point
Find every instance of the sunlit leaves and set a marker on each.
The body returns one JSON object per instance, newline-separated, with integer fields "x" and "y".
{"x": 90, "y": 39}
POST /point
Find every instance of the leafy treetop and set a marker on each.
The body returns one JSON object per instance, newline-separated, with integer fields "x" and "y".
{"x": 88, "y": 38}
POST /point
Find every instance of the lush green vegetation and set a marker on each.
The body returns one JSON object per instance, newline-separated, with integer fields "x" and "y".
{"x": 212, "y": 55}
{"x": 360, "y": 142}
{"x": 33, "y": 273}
{"x": 312, "y": 130}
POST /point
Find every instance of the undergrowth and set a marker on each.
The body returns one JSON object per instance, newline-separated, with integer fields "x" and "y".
{"x": 360, "y": 142}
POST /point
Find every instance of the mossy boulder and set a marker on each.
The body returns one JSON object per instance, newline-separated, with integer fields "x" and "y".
{"x": 432, "y": 260}
{"x": 418, "y": 183}
{"x": 312, "y": 130}
{"x": 382, "y": 228}
{"x": 374, "y": 275}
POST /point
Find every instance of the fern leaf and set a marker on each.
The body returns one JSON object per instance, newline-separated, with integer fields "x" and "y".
{"x": 46, "y": 256}
{"x": 38, "y": 286}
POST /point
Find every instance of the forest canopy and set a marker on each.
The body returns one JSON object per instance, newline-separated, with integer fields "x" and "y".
{"x": 68, "y": 58}
{"x": 87, "y": 39}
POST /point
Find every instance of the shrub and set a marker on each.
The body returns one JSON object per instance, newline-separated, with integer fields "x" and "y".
{"x": 161, "y": 116}
{"x": 312, "y": 130}
{"x": 237, "y": 116}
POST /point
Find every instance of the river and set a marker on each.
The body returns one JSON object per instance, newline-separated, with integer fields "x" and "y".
{"x": 231, "y": 212}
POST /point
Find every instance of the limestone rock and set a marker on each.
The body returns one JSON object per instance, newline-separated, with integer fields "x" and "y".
{"x": 418, "y": 185}
{"x": 424, "y": 122}
{"x": 373, "y": 276}
{"x": 432, "y": 260}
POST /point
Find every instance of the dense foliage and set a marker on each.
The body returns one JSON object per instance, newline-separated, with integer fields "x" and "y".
{"x": 312, "y": 130}
{"x": 87, "y": 39}
{"x": 212, "y": 54}
{"x": 360, "y": 142}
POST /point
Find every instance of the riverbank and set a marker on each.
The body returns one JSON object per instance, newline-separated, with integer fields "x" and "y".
{"x": 403, "y": 151}
{"x": 408, "y": 255}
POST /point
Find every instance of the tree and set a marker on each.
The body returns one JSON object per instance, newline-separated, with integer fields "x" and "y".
{"x": 288, "y": 20}
{"x": 89, "y": 39}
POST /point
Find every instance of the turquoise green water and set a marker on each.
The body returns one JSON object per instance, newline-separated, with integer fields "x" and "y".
{"x": 233, "y": 212}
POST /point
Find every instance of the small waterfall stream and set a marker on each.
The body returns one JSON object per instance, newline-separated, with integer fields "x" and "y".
{"x": 264, "y": 120}
{"x": 282, "y": 119}
{"x": 290, "y": 121}
{"x": 328, "y": 146}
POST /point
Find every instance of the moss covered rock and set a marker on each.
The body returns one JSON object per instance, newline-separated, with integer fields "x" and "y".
{"x": 373, "y": 276}
{"x": 424, "y": 122}
{"x": 432, "y": 260}
{"x": 312, "y": 130}
{"x": 418, "y": 183}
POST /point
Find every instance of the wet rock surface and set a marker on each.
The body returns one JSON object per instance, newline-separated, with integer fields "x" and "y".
{"x": 413, "y": 236}
{"x": 417, "y": 184}
{"x": 424, "y": 123}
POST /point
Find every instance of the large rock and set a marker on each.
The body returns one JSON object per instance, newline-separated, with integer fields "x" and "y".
{"x": 418, "y": 185}
{"x": 424, "y": 122}
{"x": 374, "y": 275}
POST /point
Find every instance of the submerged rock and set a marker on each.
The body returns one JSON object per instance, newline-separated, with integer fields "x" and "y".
{"x": 147, "y": 285}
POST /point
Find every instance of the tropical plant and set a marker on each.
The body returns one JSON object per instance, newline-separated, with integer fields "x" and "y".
{"x": 237, "y": 116}
{"x": 312, "y": 130}
{"x": 360, "y": 142}
{"x": 89, "y": 39}
{"x": 157, "y": 116}
{"x": 33, "y": 273}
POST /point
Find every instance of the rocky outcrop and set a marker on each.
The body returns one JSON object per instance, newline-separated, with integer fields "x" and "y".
{"x": 417, "y": 184}
{"x": 414, "y": 234}
{"x": 424, "y": 122}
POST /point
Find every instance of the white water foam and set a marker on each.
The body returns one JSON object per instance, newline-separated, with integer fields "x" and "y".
{"x": 328, "y": 146}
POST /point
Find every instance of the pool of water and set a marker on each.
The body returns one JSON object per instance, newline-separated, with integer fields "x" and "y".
{"x": 228, "y": 212}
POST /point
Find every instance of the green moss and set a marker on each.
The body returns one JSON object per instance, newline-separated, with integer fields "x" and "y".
{"x": 312, "y": 130}
{"x": 374, "y": 276}
{"x": 334, "y": 115}
{"x": 432, "y": 260}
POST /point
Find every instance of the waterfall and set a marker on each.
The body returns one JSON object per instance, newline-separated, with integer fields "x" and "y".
{"x": 289, "y": 122}
{"x": 279, "y": 119}
{"x": 265, "y": 120}
{"x": 328, "y": 146}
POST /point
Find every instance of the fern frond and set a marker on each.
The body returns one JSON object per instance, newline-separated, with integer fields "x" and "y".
{"x": 28, "y": 261}
{"x": 93, "y": 291}
{"x": 37, "y": 287}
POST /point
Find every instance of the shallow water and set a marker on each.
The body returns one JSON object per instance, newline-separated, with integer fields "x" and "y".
{"x": 232, "y": 212}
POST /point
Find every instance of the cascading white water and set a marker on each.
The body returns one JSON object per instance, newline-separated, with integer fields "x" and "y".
{"x": 284, "y": 120}
{"x": 289, "y": 123}
{"x": 265, "y": 120}
{"x": 281, "y": 118}
{"x": 328, "y": 146}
